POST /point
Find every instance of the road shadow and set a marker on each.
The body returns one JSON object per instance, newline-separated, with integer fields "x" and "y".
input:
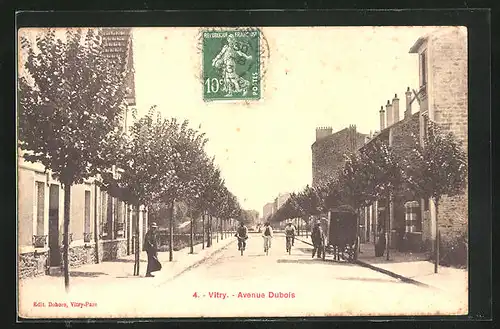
{"x": 314, "y": 261}
{"x": 130, "y": 276}
{"x": 407, "y": 258}
{"x": 124, "y": 260}
{"x": 82, "y": 274}
{"x": 369, "y": 280}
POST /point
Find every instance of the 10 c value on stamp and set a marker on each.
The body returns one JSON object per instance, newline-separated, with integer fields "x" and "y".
{"x": 231, "y": 65}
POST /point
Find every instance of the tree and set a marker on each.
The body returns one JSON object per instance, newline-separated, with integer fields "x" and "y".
{"x": 357, "y": 182}
{"x": 178, "y": 176}
{"x": 436, "y": 168}
{"x": 140, "y": 158}
{"x": 69, "y": 105}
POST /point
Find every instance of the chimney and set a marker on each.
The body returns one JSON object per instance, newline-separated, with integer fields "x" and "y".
{"x": 382, "y": 118}
{"x": 408, "y": 103}
{"x": 388, "y": 111}
{"x": 395, "y": 108}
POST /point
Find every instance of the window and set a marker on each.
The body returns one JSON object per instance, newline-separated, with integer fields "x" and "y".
{"x": 86, "y": 234}
{"x": 423, "y": 68}
{"x": 40, "y": 207}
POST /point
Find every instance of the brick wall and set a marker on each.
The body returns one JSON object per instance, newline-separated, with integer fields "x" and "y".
{"x": 448, "y": 70}
{"x": 328, "y": 153}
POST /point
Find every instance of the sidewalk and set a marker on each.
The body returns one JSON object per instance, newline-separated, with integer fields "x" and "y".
{"x": 415, "y": 266}
{"x": 100, "y": 282}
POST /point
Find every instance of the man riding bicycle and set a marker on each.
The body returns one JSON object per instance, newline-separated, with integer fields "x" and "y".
{"x": 267, "y": 235}
{"x": 242, "y": 235}
{"x": 290, "y": 234}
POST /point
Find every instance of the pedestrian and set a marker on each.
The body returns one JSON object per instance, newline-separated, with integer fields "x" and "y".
{"x": 295, "y": 232}
{"x": 318, "y": 240}
{"x": 151, "y": 248}
{"x": 267, "y": 235}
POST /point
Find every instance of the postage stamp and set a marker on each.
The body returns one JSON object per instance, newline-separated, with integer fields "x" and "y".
{"x": 231, "y": 65}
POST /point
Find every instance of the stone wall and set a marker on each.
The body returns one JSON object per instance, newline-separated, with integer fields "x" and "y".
{"x": 32, "y": 264}
{"x": 113, "y": 249}
{"x": 448, "y": 69}
{"x": 328, "y": 153}
{"x": 81, "y": 255}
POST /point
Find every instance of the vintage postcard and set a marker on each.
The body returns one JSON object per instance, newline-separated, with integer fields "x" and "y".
{"x": 172, "y": 172}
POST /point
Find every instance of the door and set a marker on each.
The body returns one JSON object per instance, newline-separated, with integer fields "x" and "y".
{"x": 55, "y": 249}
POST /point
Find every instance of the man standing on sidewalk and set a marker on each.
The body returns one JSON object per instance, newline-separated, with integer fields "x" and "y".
{"x": 151, "y": 248}
{"x": 317, "y": 238}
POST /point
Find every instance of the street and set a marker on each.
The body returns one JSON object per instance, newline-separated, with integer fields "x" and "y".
{"x": 255, "y": 285}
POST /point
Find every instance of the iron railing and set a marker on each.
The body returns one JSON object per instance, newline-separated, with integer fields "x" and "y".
{"x": 39, "y": 241}
{"x": 87, "y": 237}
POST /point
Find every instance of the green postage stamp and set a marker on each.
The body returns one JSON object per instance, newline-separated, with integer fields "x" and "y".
{"x": 231, "y": 65}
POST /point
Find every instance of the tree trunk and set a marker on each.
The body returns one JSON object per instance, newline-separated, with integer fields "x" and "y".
{"x": 388, "y": 225}
{"x": 67, "y": 204}
{"x": 211, "y": 227}
{"x": 137, "y": 244}
{"x": 221, "y": 223}
{"x": 191, "y": 251}
{"x": 203, "y": 230}
{"x": 96, "y": 226}
{"x": 171, "y": 231}
{"x": 217, "y": 228}
{"x": 436, "y": 240}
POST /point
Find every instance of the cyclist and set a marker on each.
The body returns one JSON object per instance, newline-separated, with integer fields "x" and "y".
{"x": 290, "y": 234}
{"x": 242, "y": 235}
{"x": 268, "y": 235}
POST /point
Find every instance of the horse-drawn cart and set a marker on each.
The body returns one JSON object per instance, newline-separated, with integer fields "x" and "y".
{"x": 342, "y": 234}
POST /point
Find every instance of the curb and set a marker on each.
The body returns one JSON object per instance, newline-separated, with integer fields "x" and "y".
{"x": 386, "y": 272}
{"x": 196, "y": 263}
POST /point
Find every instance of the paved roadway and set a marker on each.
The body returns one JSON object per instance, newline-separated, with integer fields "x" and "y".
{"x": 254, "y": 285}
{"x": 280, "y": 284}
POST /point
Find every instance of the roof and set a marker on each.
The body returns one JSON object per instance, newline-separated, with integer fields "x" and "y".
{"x": 436, "y": 33}
{"x": 386, "y": 130}
{"x": 416, "y": 46}
{"x": 334, "y": 135}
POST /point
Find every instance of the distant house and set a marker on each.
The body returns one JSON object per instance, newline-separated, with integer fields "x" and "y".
{"x": 328, "y": 151}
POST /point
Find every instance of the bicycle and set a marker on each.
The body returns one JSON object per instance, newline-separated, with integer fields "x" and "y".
{"x": 289, "y": 244}
{"x": 267, "y": 244}
{"x": 241, "y": 244}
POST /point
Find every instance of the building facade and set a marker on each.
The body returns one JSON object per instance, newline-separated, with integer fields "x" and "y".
{"x": 440, "y": 97}
{"x": 101, "y": 226}
{"x": 281, "y": 199}
{"x": 268, "y": 210}
{"x": 328, "y": 152}
{"x": 443, "y": 97}
{"x": 399, "y": 132}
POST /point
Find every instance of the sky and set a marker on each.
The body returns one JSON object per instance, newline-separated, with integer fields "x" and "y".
{"x": 315, "y": 76}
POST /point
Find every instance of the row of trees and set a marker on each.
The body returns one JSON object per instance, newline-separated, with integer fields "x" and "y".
{"x": 432, "y": 169}
{"x": 71, "y": 103}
